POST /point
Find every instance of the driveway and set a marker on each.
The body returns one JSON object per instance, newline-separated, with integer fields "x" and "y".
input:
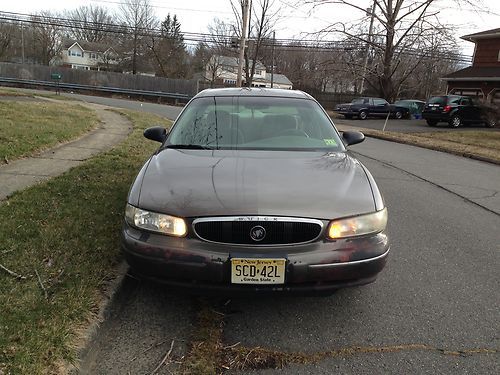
{"x": 434, "y": 309}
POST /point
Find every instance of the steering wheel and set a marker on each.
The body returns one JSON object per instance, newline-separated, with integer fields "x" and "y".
{"x": 298, "y": 132}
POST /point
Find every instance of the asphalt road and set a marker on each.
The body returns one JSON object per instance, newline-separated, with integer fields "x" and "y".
{"x": 434, "y": 309}
{"x": 171, "y": 112}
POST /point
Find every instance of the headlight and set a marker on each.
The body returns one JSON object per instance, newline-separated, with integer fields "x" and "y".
{"x": 166, "y": 224}
{"x": 358, "y": 225}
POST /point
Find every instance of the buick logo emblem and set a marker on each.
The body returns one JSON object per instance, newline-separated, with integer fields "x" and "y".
{"x": 257, "y": 233}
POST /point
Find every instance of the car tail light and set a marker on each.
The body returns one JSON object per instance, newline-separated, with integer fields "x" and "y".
{"x": 447, "y": 108}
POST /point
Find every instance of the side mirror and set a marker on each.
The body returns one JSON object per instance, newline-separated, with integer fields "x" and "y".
{"x": 353, "y": 137}
{"x": 156, "y": 133}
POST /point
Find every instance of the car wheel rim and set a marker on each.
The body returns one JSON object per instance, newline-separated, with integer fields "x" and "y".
{"x": 362, "y": 115}
{"x": 398, "y": 115}
{"x": 455, "y": 122}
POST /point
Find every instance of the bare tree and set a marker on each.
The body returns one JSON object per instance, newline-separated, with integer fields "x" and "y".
{"x": 7, "y": 33}
{"x": 211, "y": 54}
{"x": 400, "y": 27}
{"x": 264, "y": 15}
{"x": 92, "y": 23}
{"x": 138, "y": 18}
{"x": 46, "y": 37}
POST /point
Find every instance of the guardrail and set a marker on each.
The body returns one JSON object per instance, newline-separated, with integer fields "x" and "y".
{"x": 112, "y": 90}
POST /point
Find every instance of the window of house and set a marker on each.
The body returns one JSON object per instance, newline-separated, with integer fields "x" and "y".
{"x": 93, "y": 55}
{"x": 258, "y": 72}
{"x": 75, "y": 52}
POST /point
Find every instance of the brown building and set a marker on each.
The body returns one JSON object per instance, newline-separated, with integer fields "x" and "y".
{"x": 482, "y": 79}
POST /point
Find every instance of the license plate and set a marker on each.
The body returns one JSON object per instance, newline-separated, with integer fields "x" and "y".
{"x": 257, "y": 271}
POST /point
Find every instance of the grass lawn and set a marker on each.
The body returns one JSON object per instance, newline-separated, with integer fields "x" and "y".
{"x": 62, "y": 236}
{"x": 13, "y": 92}
{"x": 479, "y": 144}
{"x": 26, "y": 127}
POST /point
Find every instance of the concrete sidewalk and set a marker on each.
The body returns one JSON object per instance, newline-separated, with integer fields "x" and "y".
{"x": 22, "y": 173}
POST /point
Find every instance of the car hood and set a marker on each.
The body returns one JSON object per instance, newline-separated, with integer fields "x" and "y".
{"x": 194, "y": 183}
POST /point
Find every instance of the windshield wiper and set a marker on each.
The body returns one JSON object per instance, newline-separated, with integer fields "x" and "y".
{"x": 190, "y": 147}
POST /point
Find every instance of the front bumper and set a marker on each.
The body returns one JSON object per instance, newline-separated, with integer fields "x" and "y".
{"x": 347, "y": 112}
{"x": 318, "y": 266}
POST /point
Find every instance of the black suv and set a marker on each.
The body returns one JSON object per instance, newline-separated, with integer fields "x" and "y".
{"x": 457, "y": 110}
{"x": 364, "y": 107}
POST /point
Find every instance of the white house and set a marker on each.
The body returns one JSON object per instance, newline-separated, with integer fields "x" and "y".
{"x": 224, "y": 69}
{"x": 88, "y": 56}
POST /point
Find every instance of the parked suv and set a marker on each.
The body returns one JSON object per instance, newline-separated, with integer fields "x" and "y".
{"x": 365, "y": 106}
{"x": 457, "y": 110}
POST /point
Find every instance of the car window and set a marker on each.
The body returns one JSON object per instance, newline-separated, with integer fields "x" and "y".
{"x": 268, "y": 123}
{"x": 454, "y": 99}
{"x": 466, "y": 101}
{"x": 379, "y": 102}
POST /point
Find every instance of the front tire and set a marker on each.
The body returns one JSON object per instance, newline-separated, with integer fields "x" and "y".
{"x": 363, "y": 115}
{"x": 432, "y": 123}
{"x": 455, "y": 121}
{"x": 398, "y": 115}
{"x": 490, "y": 122}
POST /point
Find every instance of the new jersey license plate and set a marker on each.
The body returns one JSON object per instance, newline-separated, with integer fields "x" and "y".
{"x": 257, "y": 271}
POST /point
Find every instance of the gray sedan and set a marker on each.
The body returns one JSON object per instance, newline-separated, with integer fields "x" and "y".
{"x": 253, "y": 190}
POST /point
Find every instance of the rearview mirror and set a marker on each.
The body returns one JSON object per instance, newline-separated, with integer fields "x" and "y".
{"x": 353, "y": 137}
{"x": 156, "y": 133}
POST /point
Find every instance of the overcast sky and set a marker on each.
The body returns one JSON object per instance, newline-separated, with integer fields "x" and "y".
{"x": 297, "y": 19}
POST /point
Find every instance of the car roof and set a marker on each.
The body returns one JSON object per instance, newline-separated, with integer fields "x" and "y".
{"x": 254, "y": 91}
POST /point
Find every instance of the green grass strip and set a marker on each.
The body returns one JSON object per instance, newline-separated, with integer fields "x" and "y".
{"x": 66, "y": 230}
{"x": 26, "y": 127}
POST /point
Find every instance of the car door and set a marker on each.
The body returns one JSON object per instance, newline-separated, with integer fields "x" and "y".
{"x": 380, "y": 107}
{"x": 467, "y": 111}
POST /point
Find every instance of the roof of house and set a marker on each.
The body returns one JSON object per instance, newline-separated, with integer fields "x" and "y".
{"x": 86, "y": 46}
{"x": 233, "y": 61}
{"x": 493, "y": 33}
{"x": 485, "y": 73}
{"x": 279, "y": 78}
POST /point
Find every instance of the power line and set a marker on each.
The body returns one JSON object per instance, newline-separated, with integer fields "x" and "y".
{"x": 302, "y": 45}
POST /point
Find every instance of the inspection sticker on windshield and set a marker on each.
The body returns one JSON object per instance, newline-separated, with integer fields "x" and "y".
{"x": 257, "y": 271}
{"x": 330, "y": 142}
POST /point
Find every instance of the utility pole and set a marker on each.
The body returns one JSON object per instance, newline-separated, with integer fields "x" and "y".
{"x": 370, "y": 31}
{"x": 243, "y": 41}
{"x": 272, "y": 59}
{"x": 22, "y": 41}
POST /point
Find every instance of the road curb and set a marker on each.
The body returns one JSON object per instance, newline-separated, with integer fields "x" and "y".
{"x": 89, "y": 334}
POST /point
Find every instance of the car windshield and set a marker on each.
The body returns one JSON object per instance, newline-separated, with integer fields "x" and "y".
{"x": 255, "y": 123}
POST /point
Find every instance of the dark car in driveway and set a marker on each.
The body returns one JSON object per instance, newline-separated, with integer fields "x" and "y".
{"x": 457, "y": 110}
{"x": 414, "y": 106}
{"x": 254, "y": 190}
{"x": 364, "y": 107}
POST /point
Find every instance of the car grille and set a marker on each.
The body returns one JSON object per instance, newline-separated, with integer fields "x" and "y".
{"x": 238, "y": 230}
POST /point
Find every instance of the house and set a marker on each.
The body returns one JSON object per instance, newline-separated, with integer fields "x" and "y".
{"x": 88, "y": 56}
{"x": 482, "y": 79}
{"x": 224, "y": 70}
